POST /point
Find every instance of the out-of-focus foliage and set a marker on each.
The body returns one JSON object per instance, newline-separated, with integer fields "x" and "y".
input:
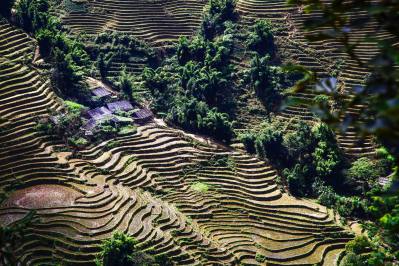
{"x": 380, "y": 94}
{"x": 5, "y": 7}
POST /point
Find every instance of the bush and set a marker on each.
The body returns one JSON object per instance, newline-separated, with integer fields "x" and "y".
{"x": 200, "y": 187}
{"x": 385, "y": 162}
{"x": 327, "y": 157}
{"x": 261, "y": 39}
{"x": 363, "y": 169}
{"x": 299, "y": 143}
{"x": 299, "y": 180}
{"x": 218, "y": 13}
{"x": 78, "y": 142}
{"x": 248, "y": 139}
{"x": 45, "y": 127}
{"x": 327, "y": 161}
{"x": 74, "y": 107}
{"x": 196, "y": 116}
{"x": 125, "y": 82}
{"x": 45, "y": 38}
{"x": 327, "y": 196}
{"x": 267, "y": 81}
{"x": 269, "y": 144}
{"x": 123, "y": 250}
{"x": 359, "y": 245}
{"x": 351, "y": 207}
{"x": 357, "y": 252}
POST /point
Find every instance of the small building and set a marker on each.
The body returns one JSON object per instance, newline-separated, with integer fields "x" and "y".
{"x": 99, "y": 113}
{"x": 101, "y": 92}
{"x": 143, "y": 116}
{"x": 120, "y": 106}
{"x": 89, "y": 127}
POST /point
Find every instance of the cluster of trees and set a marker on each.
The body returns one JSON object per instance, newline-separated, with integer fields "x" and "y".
{"x": 114, "y": 46}
{"x": 306, "y": 153}
{"x": 314, "y": 166}
{"x": 217, "y": 13}
{"x": 66, "y": 125}
{"x": 266, "y": 78}
{"x": 123, "y": 250}
{"x": 367, "y": 250}
{"x": 193, "y": 88}
{"x": 68, "y": 55}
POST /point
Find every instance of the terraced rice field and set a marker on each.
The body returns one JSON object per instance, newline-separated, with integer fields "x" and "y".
{"x": 163, "y": 21}
{"x": 156, "y": 21}
{"x": 320, "y": 57}
{"x": 144, "y": 186}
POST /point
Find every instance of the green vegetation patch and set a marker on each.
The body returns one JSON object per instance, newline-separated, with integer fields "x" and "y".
{"x": 200, "y": 187}
{"x": 124, "y": 250}
{"x": 74, "y": 106}
{"x": 128, "y": 130}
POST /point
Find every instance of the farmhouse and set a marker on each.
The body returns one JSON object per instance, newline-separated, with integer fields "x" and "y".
{"x": 101, "y": 93}
{"x": 143, "y": 116}
{"x": 120, "y": 106}
{"x": 99, "y": 113}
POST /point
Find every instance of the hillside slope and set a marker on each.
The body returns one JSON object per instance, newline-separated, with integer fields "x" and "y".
{"x": 145, "y": 186}
{"x": 153, "y": 21}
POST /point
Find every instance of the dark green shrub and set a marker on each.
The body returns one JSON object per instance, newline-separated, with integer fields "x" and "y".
{"x": 248, "y": 139}
{"x": 300, "y": 142}
{"x": 327, "y": 157}
{"x": 196, "y": 116}
{"x": 327, "y": 196}
{"x": 267, "y": 81}
{"x": 299, "y": 181}
{"x": 351, "y": 207}
{"x": 123, "y": 250}
{"x": 218, "y": 13}
{"x": 385, "y": 162}
{"x": 261, "y": 39}
{"x": 363, "y": 169}
{"x": 45, "y": 39}
{"x": 269, "y": 144}
{"x": 125, "y": 82}
{"x": 358, "y": 245}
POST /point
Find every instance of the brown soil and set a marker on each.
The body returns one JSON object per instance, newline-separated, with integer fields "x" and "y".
{"x": 42, "y": 196}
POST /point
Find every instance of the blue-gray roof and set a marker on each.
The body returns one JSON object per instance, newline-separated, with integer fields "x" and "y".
{"x": 143, "y": 114}
{"x": 101, "y": 92}
{"x": 99, "y": 113}
{"x": 120, "y": 106}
